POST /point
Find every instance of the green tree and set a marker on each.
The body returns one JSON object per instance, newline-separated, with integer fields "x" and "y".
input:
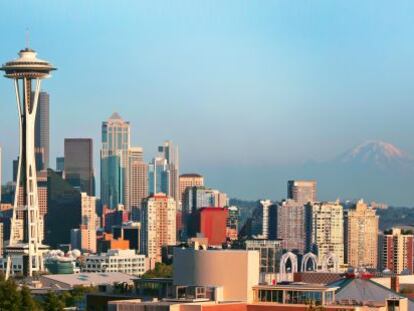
{"x": 53, "y": 302}
{"x": 27, "y": 301}
{"x": 10, "y": 298}
{"x": 161, "y": 270}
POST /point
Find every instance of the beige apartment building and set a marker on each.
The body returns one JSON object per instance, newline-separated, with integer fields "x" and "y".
{"x": 158, "y": 225}
{"x": 327, "y": 229}
{"x": 88, "y": 226}
{"x": 361, "y": 236}
{"x": 138, "y": 177}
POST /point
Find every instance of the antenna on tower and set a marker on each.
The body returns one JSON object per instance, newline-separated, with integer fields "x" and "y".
{"x": 27, "y": 37}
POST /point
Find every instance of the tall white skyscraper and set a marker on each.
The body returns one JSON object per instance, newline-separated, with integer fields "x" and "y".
{"x": 114, "y": 161}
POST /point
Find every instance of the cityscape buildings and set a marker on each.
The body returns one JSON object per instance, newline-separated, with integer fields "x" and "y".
{"x": 199, "y": 196}
{"x": 23, "y": 70}
{"x": 114, "y": 161}
{"x": 78, "y": 164}
{"x": 361, "y": 236}
{"x": 189, "y": 180}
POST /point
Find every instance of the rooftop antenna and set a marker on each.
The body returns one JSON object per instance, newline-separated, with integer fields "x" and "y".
{"x": 27, "y": 38}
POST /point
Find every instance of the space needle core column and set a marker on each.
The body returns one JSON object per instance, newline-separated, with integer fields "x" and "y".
{"x": 24, "y": 70}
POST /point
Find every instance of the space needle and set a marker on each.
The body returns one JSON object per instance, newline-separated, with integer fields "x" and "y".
{"x": 27, "y": 72}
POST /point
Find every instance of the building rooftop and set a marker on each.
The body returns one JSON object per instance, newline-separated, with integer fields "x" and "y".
{"x": 190, "y": 175}
{"x": 298, "y": 286}
{"x": 364, "y": 290}
{"x": 91, "y": 279}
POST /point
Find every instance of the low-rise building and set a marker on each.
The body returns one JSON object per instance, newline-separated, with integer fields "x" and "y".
{"x": 124, "y": 261}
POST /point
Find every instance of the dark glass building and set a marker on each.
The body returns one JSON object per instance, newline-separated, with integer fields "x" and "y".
{"x": 78, "y": 164}
{"x": 42, "y": 132}
{"x": 64, "y": 210}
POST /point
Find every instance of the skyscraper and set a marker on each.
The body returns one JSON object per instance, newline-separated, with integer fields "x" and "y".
{"x": 42, "y": 131}
{"x": 78, "y": 164}
{"x": 291, "y": 224}
{"x": 114, "y": 161}
{"x": 325, "y": 231}
{"x": 361, "y": 236}
{"x": 23, "y": 70}
{"x": 158, "y": 226}
{"x": 302, "y": 191}
{"x": 138, "y": 179}
{"x": 159, "y": 176}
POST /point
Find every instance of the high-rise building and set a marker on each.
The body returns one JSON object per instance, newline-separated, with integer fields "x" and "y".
{"x": 88, "y": 225}
{"x": 158, "y": 226}
{"x": 60, "y": 164}
{"x": 159, "y": 176}
{"x": 63, "y": 210}
{"x": 114, "y": 161}
{"x": 42, "y": 131}
{"x": 78, "y": 164}
{"x": 361, "y": 236}
{"x": 302, "y": 191}
{"x": 23, "y": 70}
{"x": 265, "y": 204}
{"x": 189, "y": 180}
{"x": 291, "y": 224}
{"x": 138, "y": 179}
{"x": 325, "y": 230}
{"x": 397, "y": 251}
{"x": 169, "y": 151}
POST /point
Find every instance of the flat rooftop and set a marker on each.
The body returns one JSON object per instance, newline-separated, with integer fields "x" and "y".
{"x": 88, "y": 279}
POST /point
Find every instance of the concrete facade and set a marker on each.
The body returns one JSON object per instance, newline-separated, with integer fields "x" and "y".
{"x": 236, "y": 271}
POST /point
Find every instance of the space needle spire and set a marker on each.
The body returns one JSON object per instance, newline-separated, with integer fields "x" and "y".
{"x": 27, "y": 72}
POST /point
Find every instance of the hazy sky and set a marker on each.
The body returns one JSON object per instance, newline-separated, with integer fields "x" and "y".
{"x": 237, "y": 84}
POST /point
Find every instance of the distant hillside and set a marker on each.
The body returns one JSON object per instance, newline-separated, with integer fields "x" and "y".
{"x": 396, "y": 216}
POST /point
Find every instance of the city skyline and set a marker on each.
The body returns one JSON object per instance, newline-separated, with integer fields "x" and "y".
{"x": 251, "y": 65}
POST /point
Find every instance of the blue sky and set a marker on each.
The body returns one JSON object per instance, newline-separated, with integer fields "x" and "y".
{"x": 237, "y": 84}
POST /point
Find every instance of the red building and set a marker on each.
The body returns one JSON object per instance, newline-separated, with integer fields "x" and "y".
{"x": 212, "y": 223}
{"x": 397, "y": 250}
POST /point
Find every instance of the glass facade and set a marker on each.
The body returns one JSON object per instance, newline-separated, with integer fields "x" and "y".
{"x": 114, "y": 161}
{"x": 294, "y": 295}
